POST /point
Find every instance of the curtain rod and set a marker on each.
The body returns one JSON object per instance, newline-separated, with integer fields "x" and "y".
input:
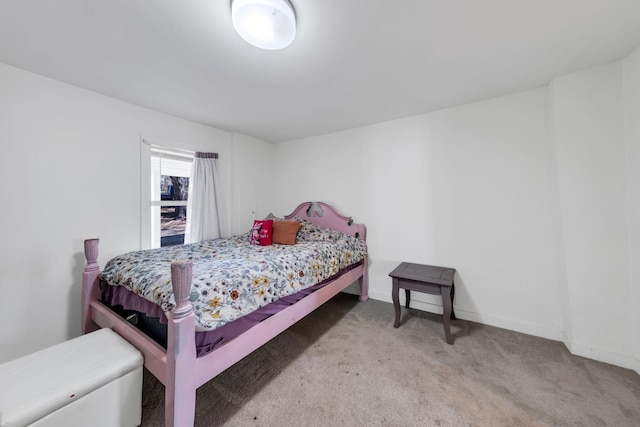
{"x": 201, "y": 155}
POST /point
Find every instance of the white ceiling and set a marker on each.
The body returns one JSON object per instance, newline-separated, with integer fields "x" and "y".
{"x": 353, "y": 63}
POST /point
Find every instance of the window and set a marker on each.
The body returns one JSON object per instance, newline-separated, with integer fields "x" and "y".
{"x": 169, "y": 193}
{"x": 165, "y": 187}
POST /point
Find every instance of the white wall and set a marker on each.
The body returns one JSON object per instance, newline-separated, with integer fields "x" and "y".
{"x": 70, "y": 168}
{"x": 588, "y": 130}
{"x": 631, "y": 86}
{"x": 469, "y": 187}
{"x": 252, "y": 172}
{"x": 534, "y": 198}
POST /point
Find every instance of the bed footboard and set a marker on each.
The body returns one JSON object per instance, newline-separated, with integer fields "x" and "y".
{"x": 179, "y": 368}
{"x": 175, "y": 368}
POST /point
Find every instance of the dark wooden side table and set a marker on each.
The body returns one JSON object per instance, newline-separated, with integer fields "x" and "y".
{"x": 429, "y": 279}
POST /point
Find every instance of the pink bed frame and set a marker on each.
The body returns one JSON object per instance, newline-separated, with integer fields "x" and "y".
{"x": 178, "y": 368}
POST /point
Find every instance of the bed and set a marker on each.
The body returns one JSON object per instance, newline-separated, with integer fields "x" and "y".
{"x": 185, "y": 360}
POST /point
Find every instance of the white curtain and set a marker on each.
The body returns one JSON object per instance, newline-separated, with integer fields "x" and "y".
{"x": 204, "y": 202}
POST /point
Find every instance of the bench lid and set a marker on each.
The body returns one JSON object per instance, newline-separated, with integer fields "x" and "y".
{"x": 38, "y": 384}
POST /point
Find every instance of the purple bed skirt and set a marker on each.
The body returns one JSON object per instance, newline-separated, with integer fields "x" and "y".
{"x": 206, "y": 341}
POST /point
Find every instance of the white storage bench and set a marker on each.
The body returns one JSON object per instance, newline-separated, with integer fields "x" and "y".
{"x": 92, "y": 380}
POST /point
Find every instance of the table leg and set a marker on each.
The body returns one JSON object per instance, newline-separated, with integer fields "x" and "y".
{"x": 446, "y": 317}
{"x": 407, "y": 294}
{"x": 395, "y": 296}
{"x": 453, "y": 292}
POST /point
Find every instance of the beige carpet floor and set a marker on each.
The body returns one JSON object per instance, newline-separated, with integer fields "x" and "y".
{"x": 345, "y": 365}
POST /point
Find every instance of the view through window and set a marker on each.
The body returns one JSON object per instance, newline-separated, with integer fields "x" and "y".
{"x": 169, "y": 192}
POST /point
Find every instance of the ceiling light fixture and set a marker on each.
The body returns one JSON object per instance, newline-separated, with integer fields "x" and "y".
{"x": 267, "y": 24}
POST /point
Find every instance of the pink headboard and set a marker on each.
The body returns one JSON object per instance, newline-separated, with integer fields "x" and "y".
{"x": 322, "y": 214}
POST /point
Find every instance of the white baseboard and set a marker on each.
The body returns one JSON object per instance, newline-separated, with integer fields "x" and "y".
{"x": 500, "y": 322}
{"x": 603, "y": 355}
{"x": 599, "y": 354}
{"x": 511, "y": 324}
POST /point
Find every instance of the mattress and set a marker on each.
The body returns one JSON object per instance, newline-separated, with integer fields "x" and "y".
{"x": 151, "y": 320}
{"x": 235, "y": 284}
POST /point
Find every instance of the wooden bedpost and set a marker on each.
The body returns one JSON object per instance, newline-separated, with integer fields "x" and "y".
{"x": 364, "y": 281}
{"x": 180, "y": 388}
{"x": 90, "y": 283}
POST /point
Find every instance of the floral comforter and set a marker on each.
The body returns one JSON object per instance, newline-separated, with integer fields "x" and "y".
{"x": 232, "y": 278}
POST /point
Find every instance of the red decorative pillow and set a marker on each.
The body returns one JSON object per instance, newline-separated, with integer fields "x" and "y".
{"x": 262, "y": 232}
